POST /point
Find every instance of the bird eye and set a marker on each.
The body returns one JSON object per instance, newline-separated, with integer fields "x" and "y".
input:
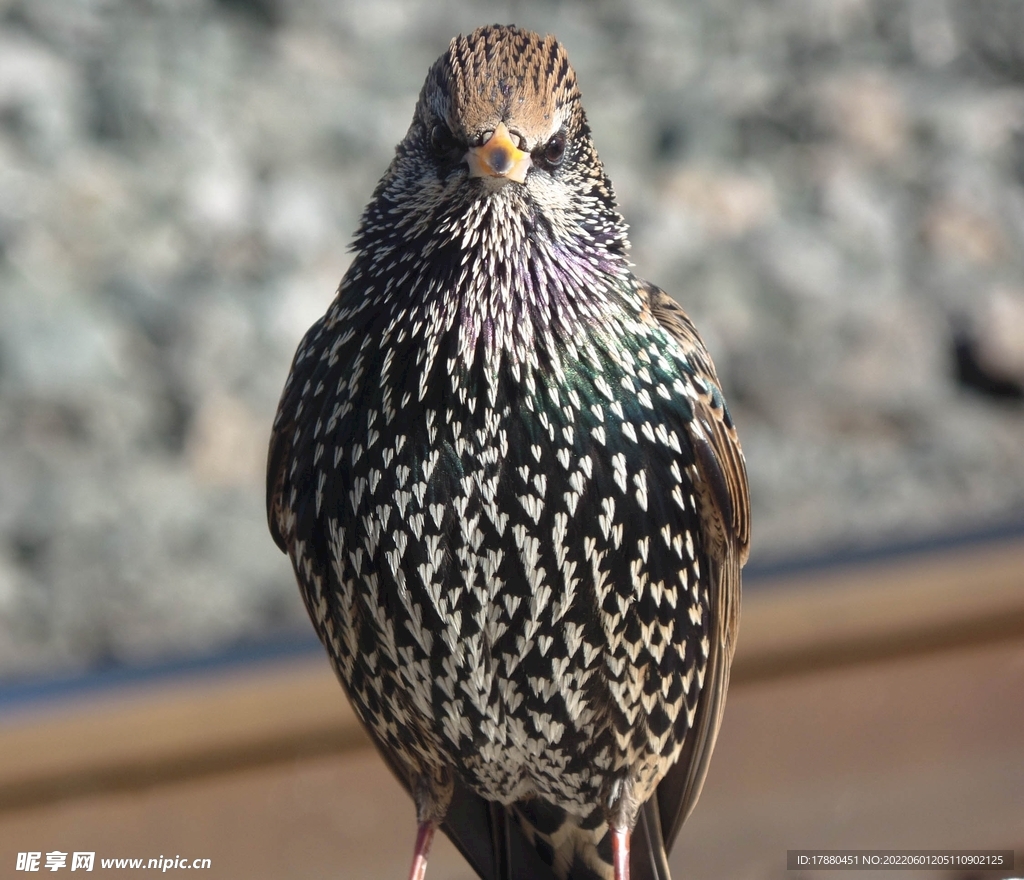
{"x": 442, "y": 141}
{"x": 554, "y": 151}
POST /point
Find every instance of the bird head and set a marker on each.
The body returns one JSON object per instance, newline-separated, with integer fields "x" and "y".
{"x": 499, "y": 133}
{"x": 504, "y": 103}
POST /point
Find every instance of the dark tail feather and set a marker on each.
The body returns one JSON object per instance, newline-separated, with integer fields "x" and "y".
{"x": 490, "y": 840}
{"x": 500, "y": 834}
{"x": 648, "y": 858}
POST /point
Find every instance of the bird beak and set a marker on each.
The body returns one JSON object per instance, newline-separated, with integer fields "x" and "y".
{"x": 498, "y": 157}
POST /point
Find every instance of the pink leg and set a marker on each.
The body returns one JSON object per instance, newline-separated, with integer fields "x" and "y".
{"x": 424, "y": 837}
{"x": 620, "y": 853}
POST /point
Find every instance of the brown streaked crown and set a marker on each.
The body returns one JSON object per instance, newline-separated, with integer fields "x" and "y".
{"x": 498, "y": 74}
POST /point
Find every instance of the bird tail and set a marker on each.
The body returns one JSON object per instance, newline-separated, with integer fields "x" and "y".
{"x": 535, "y": 841}
{"x": 648, "y": 856}
{"x": 581, "y": 849}
{"x": 491, "y": 839}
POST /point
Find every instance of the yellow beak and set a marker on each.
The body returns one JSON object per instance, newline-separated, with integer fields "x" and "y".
{"x": 498, "y": 157}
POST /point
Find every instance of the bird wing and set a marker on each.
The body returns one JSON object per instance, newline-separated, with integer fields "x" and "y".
{"x": 280, "y": 478}
{"x": 725, "y": 507}
{"x": 720, "y": 459}
{"x": 276, "y": 462}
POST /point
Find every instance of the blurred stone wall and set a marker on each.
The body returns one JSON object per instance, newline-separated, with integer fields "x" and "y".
{"x": 833, "y": 188}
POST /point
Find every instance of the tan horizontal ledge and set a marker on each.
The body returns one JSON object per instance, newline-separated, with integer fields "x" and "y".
{"x": 881, "y": 610}
{"x": 289, "y": 710}
{"x": 142, "y": 736}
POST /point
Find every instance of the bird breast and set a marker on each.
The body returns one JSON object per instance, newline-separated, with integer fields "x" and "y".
{"x": 507, "y": 589}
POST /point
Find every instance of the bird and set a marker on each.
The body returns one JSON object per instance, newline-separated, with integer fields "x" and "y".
{"x": 511, "y": 490}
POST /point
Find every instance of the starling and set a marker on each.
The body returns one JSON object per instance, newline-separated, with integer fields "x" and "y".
{"x": 511, "y": 490}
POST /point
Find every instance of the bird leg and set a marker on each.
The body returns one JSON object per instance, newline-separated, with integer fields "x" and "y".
{"x": 620, "y": 852}
{"x": 424, "y": 837}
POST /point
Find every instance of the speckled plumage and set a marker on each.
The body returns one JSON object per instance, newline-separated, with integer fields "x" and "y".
{"x": 511, "y": 491}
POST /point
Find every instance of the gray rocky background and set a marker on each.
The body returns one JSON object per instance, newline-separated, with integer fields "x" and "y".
{"x": 833, "y": 188}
